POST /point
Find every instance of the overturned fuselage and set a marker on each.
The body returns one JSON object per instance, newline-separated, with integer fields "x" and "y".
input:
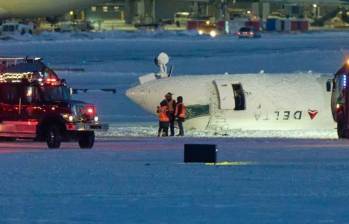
{"x": 246, "y": 102}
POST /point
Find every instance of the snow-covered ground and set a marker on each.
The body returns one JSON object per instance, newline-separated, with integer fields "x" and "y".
{"x": 115, "y": 60}
{"x": 144, "y": 180}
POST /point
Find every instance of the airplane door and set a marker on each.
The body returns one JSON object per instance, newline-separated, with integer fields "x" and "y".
{"x": 231, "y": 95}
{"x": 239, "y": 97}
{"x": 225, "y": 95}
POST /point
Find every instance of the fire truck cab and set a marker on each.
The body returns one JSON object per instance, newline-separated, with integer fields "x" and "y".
{"x": 340, "y": 99}
{"x": 36, "y": 104}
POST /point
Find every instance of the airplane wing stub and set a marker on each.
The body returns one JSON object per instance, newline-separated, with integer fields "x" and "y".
{"x": 83, "y": 90}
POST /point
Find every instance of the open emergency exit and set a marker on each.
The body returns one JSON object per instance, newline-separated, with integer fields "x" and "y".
{"x": 231, "y": 95}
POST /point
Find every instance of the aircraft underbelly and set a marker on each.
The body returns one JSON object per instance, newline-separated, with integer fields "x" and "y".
{"x": 273, "y": 105}
{"x": 246, "y": 102}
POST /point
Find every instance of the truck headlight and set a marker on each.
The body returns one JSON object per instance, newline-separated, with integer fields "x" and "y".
{"x": 68, "y": 117}
{"x": 213, "y": 33}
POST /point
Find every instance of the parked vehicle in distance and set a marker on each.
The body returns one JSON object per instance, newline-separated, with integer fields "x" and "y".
{"x": 208, "y": 28}
{"x": 69, "y": 26}
{"x": 181, "y": 19}
{"x": 248, "y": 32}
{"x": 12, "y": 27}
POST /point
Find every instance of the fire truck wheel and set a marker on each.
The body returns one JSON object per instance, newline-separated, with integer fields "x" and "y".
{"x": 87, "y": 140}
{"x": 54, "y": 137}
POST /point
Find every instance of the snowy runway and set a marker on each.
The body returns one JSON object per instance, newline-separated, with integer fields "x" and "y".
{"x": 143, "y": 180}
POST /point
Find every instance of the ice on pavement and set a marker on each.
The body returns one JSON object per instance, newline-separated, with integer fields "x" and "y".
{"x": 144, "y": 180}
{"x": 116, "y": 59}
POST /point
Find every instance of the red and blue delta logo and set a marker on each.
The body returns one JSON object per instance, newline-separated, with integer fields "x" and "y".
{"x": 313, "y": 114}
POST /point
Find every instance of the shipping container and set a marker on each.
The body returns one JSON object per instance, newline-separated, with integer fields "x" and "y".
{"x": 287, "y": 25}
{"x": 303, "y": 25}
{"x": 294, "y": 25}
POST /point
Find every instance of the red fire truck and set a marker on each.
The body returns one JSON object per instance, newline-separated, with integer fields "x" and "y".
{"x": 340, "y": 100}
{"x": 36, "y": 104}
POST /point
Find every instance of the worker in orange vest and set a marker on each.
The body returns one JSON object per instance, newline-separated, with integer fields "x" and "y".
{"x": 164, "y": 119}
{"x": 180, "y": 114}
{"x": 171, "y": 103}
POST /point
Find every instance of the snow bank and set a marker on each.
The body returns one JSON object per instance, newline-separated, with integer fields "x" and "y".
{"x": 66, "y": 36}
{"x": 158, "y": 34}
{"x": 150, "y": 129}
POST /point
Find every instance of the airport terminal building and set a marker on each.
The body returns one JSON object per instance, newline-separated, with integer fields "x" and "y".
{"x": 155, "y": 11}
{"x": 123, "y": 14}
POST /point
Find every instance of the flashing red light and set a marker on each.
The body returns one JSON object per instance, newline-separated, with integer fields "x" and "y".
{"x": 89, "y": 111}
{"x": 32, "y": 122}
{"x": 70, "y": 126}
{"x": 52, "y": 81}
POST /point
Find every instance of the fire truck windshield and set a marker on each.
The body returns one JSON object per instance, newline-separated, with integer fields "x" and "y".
{"x": 55, "y": 93}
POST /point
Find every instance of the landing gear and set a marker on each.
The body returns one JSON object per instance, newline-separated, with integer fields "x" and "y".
{"x": 87, "y": 140}
{"x": 54, "y": 137}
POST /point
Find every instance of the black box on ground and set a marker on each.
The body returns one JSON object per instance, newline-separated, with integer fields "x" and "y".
{"x": 200, "y": 153}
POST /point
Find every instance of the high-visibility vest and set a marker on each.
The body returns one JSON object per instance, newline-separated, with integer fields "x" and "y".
{"x": 163, "y": 114}
{"x": 183, "y": 112}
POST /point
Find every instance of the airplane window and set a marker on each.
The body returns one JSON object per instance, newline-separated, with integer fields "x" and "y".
{"x": 239, "y": 96}
{"x": 197, "y": 111}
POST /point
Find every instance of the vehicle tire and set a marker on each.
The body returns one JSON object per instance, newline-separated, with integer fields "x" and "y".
{"x": 87, "y": 140}
{"x": 54, "y": 137}
{"x": 341, "y": 131}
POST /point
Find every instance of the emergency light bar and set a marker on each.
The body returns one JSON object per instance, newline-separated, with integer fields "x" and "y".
{"x": 16, "y": 76}
{"x": 52, "y": 80}
{"x": 344, "y": 84}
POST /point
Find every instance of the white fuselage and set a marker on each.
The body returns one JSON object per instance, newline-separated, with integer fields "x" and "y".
{"x": 39, "y": 8}
{"x": 271, "y": 102}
